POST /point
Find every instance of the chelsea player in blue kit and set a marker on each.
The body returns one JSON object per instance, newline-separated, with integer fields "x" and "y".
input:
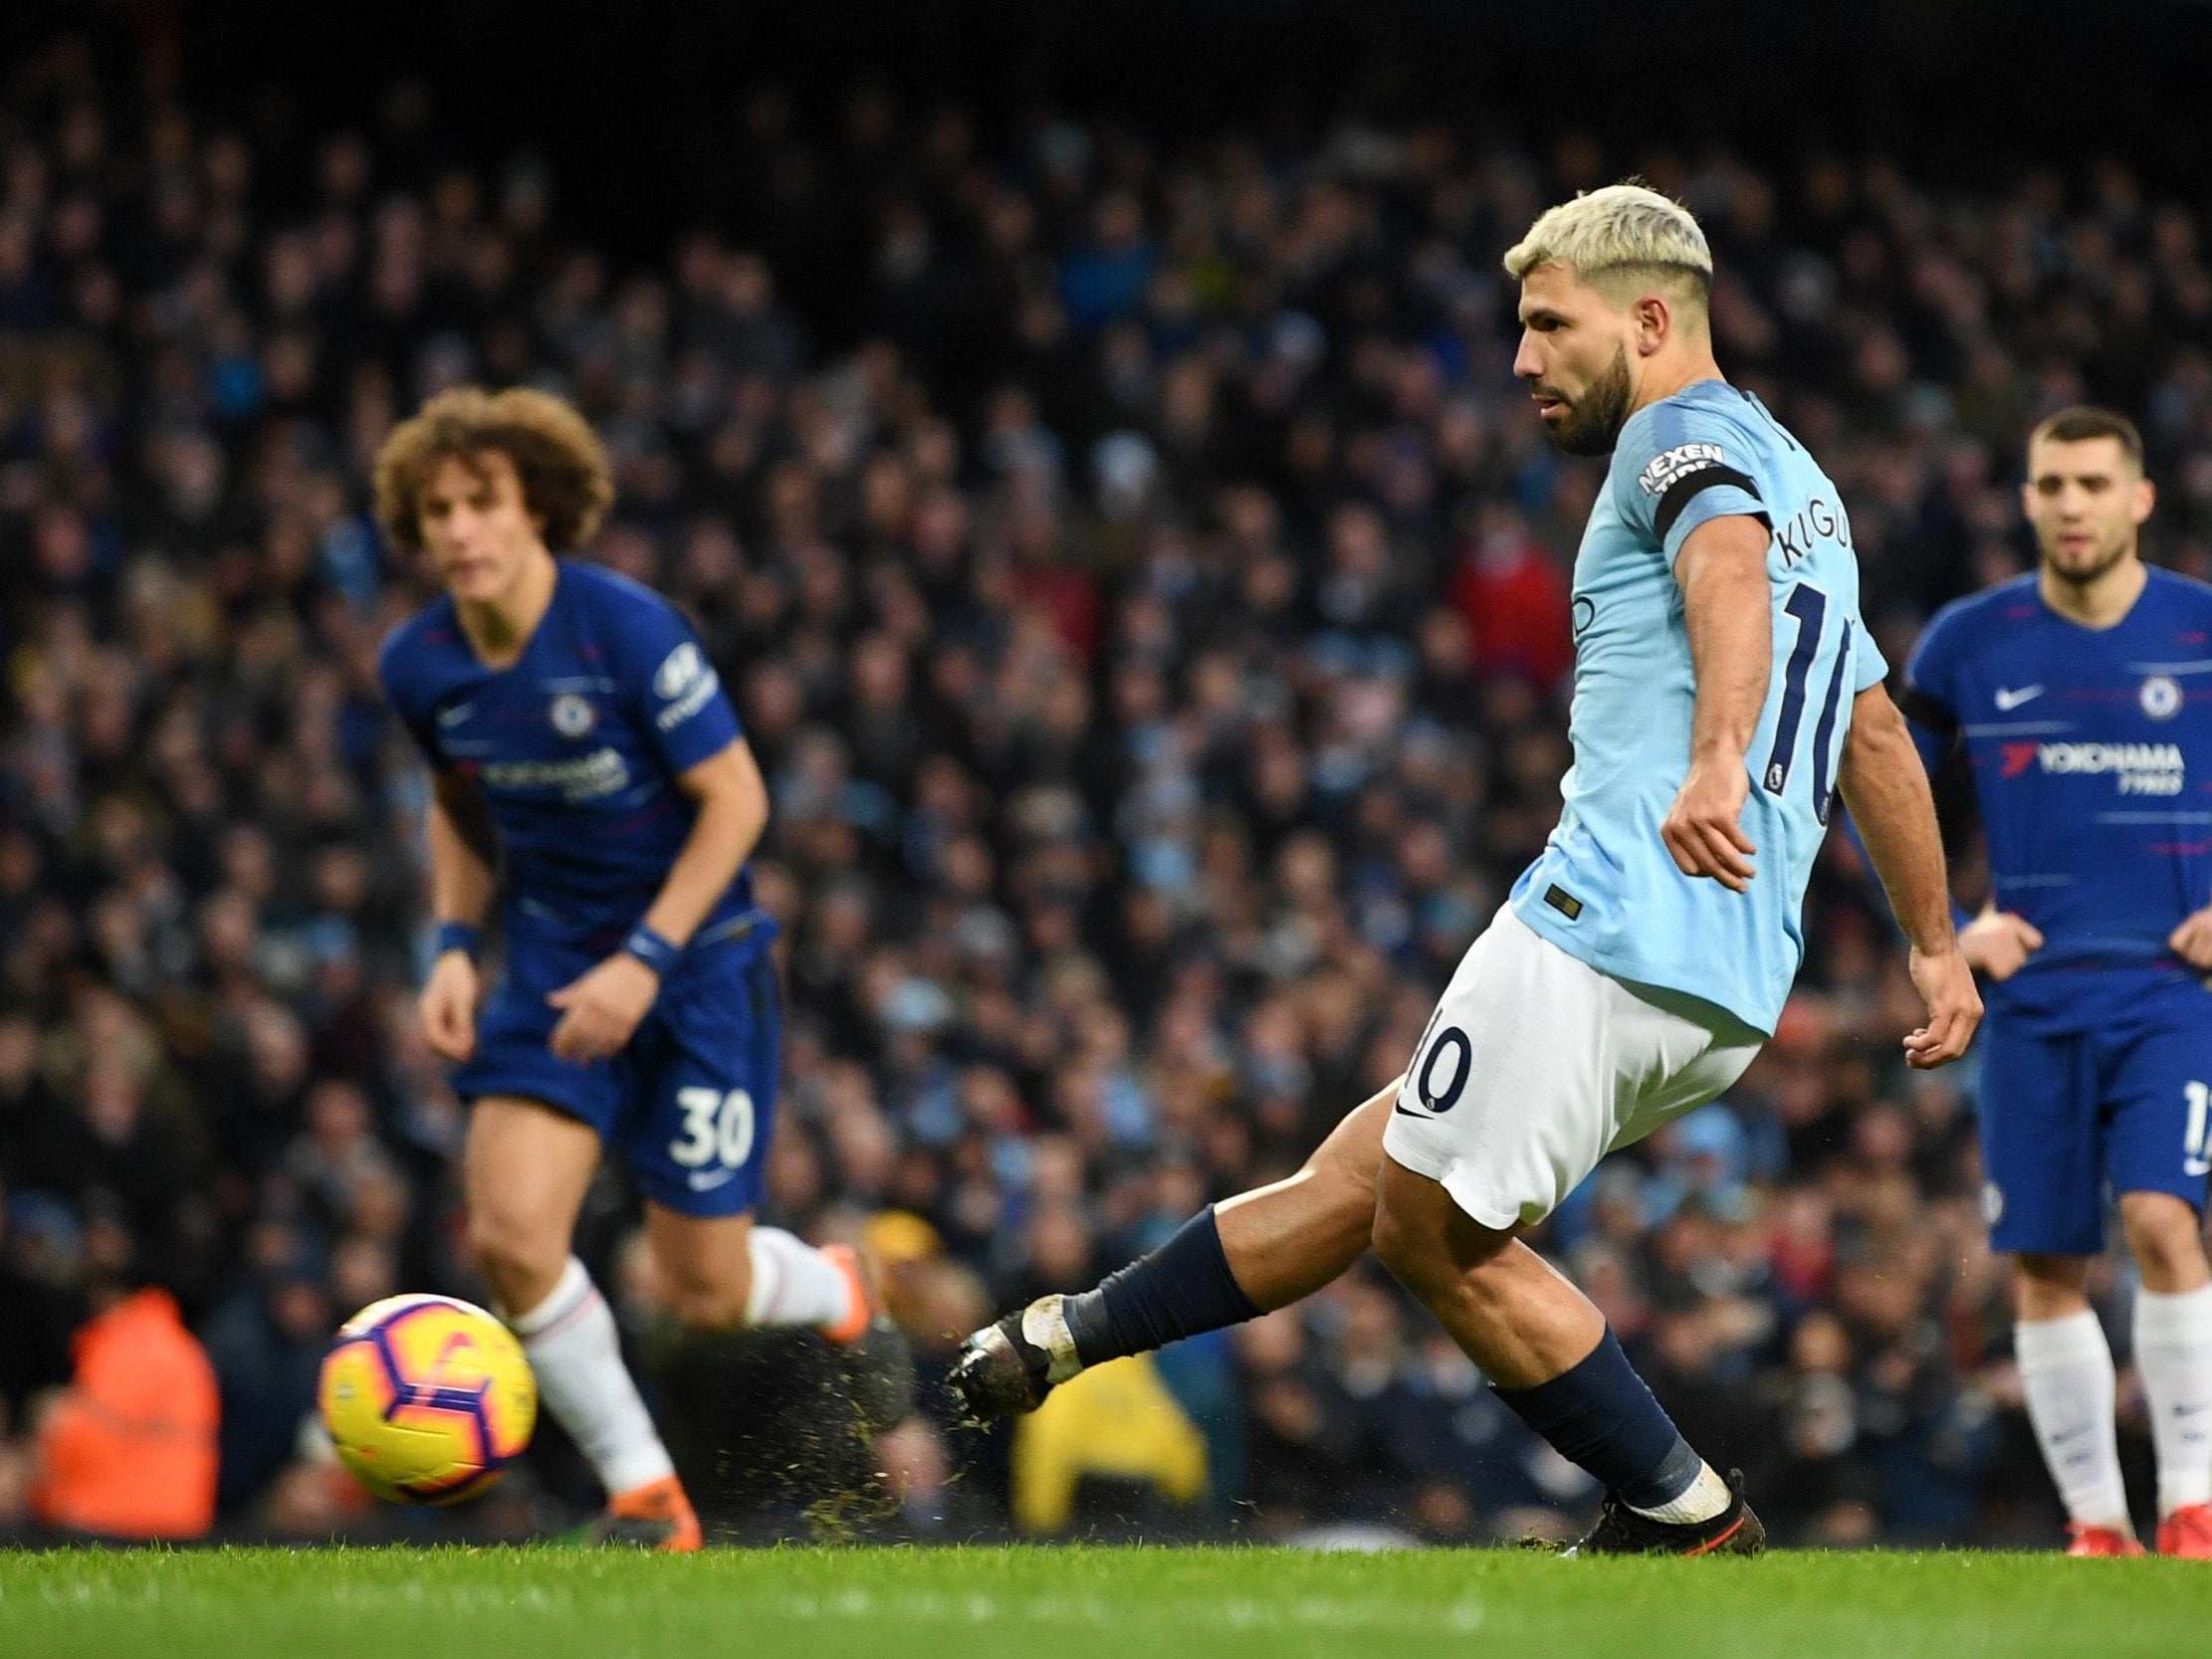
{"x": 1725, "y": 691}
{"x": 2083, "y": 698}
{"x": 572, "y": 723}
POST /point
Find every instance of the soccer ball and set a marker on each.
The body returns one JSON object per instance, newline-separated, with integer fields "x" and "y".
{"x": 427, "y": 1398}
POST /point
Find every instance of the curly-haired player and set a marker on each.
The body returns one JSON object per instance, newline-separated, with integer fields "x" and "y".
{"x": 572, "y": 723}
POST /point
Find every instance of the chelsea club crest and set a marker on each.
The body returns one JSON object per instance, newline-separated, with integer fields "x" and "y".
{"x": 572, "y": 715}
{"x": 2161, "y": 696}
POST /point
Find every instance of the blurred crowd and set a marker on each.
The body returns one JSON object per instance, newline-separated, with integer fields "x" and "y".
{"x": 1152, "y": 623}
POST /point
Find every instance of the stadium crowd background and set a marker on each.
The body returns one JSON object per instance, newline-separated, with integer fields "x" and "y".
{"x": 1154, "y": 632}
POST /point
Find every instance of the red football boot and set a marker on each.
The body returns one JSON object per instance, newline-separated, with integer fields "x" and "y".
{"x": 2099, "y": 1541}
{"x": 2187, "y": 1532}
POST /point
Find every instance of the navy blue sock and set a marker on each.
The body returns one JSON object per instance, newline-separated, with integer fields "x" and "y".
{"x": 1599, "y": 1414}
{"x": 1179, "y": 1289}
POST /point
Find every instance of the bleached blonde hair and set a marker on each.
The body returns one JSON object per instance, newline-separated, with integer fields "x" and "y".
{"x": 1617, "y": 238}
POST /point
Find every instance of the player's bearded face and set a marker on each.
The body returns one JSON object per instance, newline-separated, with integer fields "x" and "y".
{"x": 2086, "y": 503}
{"x": 1574, "y": 355}
{"x": 1589, "y": 421}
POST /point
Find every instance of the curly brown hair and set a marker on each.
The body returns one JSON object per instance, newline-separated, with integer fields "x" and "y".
{"x": 556, "y": 455}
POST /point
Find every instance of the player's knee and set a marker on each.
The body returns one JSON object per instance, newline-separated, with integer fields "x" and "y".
{"x": 702, "y": 1298}
{"x": 2048, "y": 1287}
{"x": 1413, "y": 1260}
{"x": 2165, "y": 1236}
{"x": 522, "y": 1262}
{"x": 1344, "y": 1191}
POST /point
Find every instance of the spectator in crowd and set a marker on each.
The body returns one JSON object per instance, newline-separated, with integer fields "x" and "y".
{"x": 128, "y": 1451}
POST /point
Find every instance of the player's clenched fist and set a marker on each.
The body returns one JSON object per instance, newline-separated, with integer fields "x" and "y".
{"x": 1946, "y": 984}
{"x": 1997, "y": 943}
{"x": 600, "y": 1010}
{"x": 1703, "y": 831}
{"x": 448, "y": 1005}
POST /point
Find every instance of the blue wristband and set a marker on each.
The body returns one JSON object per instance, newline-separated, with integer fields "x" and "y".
{"x": 461, "y": 936}
{"x": 654, "y": 951}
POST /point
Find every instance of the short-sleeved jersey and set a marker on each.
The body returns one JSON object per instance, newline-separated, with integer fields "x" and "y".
{"x": 2090, "y": 752}
{"x": 1604, "y": 888}
{"x": 576, "y": 747}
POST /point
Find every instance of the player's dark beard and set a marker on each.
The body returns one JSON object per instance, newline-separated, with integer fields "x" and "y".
{"x": 2086, "y": 576}
{"x": 1594, "y": 420}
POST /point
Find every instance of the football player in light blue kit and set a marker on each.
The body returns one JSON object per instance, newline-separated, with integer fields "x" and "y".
{"x": 1724, "y": 690}
{"x": 572, "y": 723}
{"x": 2081, "y": 696}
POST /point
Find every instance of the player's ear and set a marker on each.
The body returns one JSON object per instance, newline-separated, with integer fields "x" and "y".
{"x": 1654, "y": 320}
{"x": 2146, "y": 497}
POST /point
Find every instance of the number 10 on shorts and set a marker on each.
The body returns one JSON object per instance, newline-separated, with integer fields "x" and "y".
{"x": 718, "y": 1128}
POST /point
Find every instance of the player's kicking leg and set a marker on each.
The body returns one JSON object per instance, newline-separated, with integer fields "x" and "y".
{"x": 694, "y": 1128}
{"x": 525, "y": 1170}
{"x": 1534, "y": 1067}
{"x": 698, "y": 1147}
{"x": 1233, "y": 1261}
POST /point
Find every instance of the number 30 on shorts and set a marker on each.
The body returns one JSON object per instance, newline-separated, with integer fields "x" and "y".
{"x": 718, "y": 1128}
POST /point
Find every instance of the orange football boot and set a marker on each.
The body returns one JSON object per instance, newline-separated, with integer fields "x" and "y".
{"x": 2099, "y": 1541}
{"x": 2187, "y": 1532}
{"x": 848, "y": 1260}
{"x": 655, "y": 1516}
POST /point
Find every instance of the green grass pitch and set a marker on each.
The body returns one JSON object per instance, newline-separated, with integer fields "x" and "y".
{"x": 1073, "y": 1603}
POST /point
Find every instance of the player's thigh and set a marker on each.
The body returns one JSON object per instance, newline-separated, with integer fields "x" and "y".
{"x": 1287, "y": 1239}
{"x": 1677, "y": 1053}
{"x": 2042, "y": 1163}
{"x": 525, "y": 1171}
{"x": 704, "y": 1107}
{"x": 515, "y": 1064}
{"x": 2158, "y": 1083}
{"x": 1343, "y": 1168}
{"x": 1512, "y": 1095}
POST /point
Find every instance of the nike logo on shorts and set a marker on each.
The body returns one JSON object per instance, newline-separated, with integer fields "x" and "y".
{"x": 706, "y": 1180}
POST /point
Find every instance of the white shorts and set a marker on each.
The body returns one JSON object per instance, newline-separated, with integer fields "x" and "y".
{"x": 1535, "y": 1066}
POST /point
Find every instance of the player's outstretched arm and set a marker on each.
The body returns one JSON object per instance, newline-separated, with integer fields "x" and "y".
{"x": 1886, "y": 788}
{"x": 464, "y": 849}
{"x": 1722, "y": 570}
{"x": 601, "y": 1009}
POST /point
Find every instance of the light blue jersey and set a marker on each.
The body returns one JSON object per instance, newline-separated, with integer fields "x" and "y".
{"x": 1604, "y": 889}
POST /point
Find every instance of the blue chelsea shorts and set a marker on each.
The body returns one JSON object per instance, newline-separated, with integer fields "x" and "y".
{"x": 689, "y": 1103}
{"x": 2096, "y": 1081}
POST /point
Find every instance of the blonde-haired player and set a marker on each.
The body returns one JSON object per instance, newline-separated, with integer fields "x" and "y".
{"x": 1726, "y": 688}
